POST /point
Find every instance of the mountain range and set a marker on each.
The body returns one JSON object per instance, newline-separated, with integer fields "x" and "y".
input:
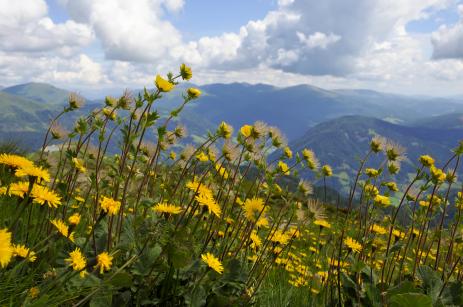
{"x": 336, "y": 124}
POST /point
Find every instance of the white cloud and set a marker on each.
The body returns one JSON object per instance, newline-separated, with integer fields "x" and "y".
{"x": 448, "y": 40}
{"x": 129, "y": 30}
{"x": 330, "y": 43}
{"x": 318, "y": 39}
{"x": 25, "y": 27}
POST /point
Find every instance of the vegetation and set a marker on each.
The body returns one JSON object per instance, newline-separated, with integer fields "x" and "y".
{"x": 161, "y": 224}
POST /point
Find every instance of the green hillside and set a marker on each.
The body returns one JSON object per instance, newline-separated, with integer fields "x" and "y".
{"x": 41, "y": 92}
{"x": 343, "y": 141}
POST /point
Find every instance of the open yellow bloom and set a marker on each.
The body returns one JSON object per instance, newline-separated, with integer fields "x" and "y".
{"x": 426, "y": 160}
{"x": 213, "y": 262}
{"x": 24, "y": 252}
{"x": 322, "y": 223}
{"x": 44, "y": 195}
{"x": 62, "y": 228}
{"x": 253, "y": 207}
{"x": 353, "y": 245}
{"x": 33, "y": 171}
{"x": 246, "y": 130}
{"x": 15, "y": 161}
{"x": 210, "y": 203}
{"x": 74, "y": 219}
{"x": 163, "y": 85}
{"x": 110, "y": 205}
{"x": 6, "y": 249}
{"x": 378, "y": 229}
{"x": 76, "y": 260}
{"x": 280, "y": 237}
{"x": 19, "y": 188}
{"x": 167, "y": 208}
{"x": 255, "y": 239}
{"x": 104, "y": 261}
{"x": 382, "y": 201}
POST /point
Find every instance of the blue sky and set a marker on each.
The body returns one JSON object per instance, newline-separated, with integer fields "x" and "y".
{"x": 407, "y": 46}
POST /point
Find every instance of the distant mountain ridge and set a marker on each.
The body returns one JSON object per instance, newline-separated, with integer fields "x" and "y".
{"x": 343, "y": 141}
{"x": 29, "y": 107}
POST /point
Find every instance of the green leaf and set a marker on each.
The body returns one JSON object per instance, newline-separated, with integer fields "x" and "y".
{"x": 410, "y": 300}
{"x": 101, "y": 299}
{"x": 121, "y": 280}
{"x": 432, "y": 283}
{"x": 402, "y": 288}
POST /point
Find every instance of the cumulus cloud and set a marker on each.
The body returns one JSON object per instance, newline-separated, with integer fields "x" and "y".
{"x": 330, "y": 43}
{"x": 26, "y": 27}
{"x": 311, "y": 37}
{"x": 129, "y": 30}
{"x": 448, "y": 40}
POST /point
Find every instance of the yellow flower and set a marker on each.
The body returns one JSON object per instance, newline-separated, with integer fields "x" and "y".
{"x": 225, "y": 130}
{"x": 79, "y": 199}
{"x": 222, "y": 171}
{"x": 79, "y": 165}
{"x": 213, "y": 262}
{"x": 246, "y": 130}
{"x": 392, "y": 186}
{"x": 15, "y": 161}
{"x": 287, "y": 152}
{"x": 19, "y": 188}
{"x": 371, "y": 172}
{"x": 186, "y": 72}
{"x": 378, "y": 229}
{"x": 74, "y": 219}
{"x": 104, "y": 261}
{"x": 110, "y": 205}
{"x": 398, "y": 234}
{"x": 24, "y": 252}
{"x": 62, "y": 228}
{"x": 168, "y": 209}
{"x": 327, "y": 171}
{"x": 163, "y": 85}
{"x": 34, "y": 292}
{"x": 210, "y": 203}
{"x": 6, "y": 249}
{"x": 202, "y": 157}
{"x": 280, "y": 237}
{"x": 42, "y": 194}
{"x": 437, "y": 174}
{"x": 193, "y": 92}
{"x": 426, "y": 161}
{"x": 76, "y": 260}
{"x": 283, "y": 167}
{"x": 172, "y": 155}
{"x": 310, "y": 158}
{"x": 322, "y": 223}
{"x": 256, "y": 241}
{"x": 252, "y": 208}
{"x": 371, "y": 190}
{"x": 382, "y": 201}
{"x": 262, "y": 222}
{"x": 33, "y": 171}
{"x": 353, "y": 245}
